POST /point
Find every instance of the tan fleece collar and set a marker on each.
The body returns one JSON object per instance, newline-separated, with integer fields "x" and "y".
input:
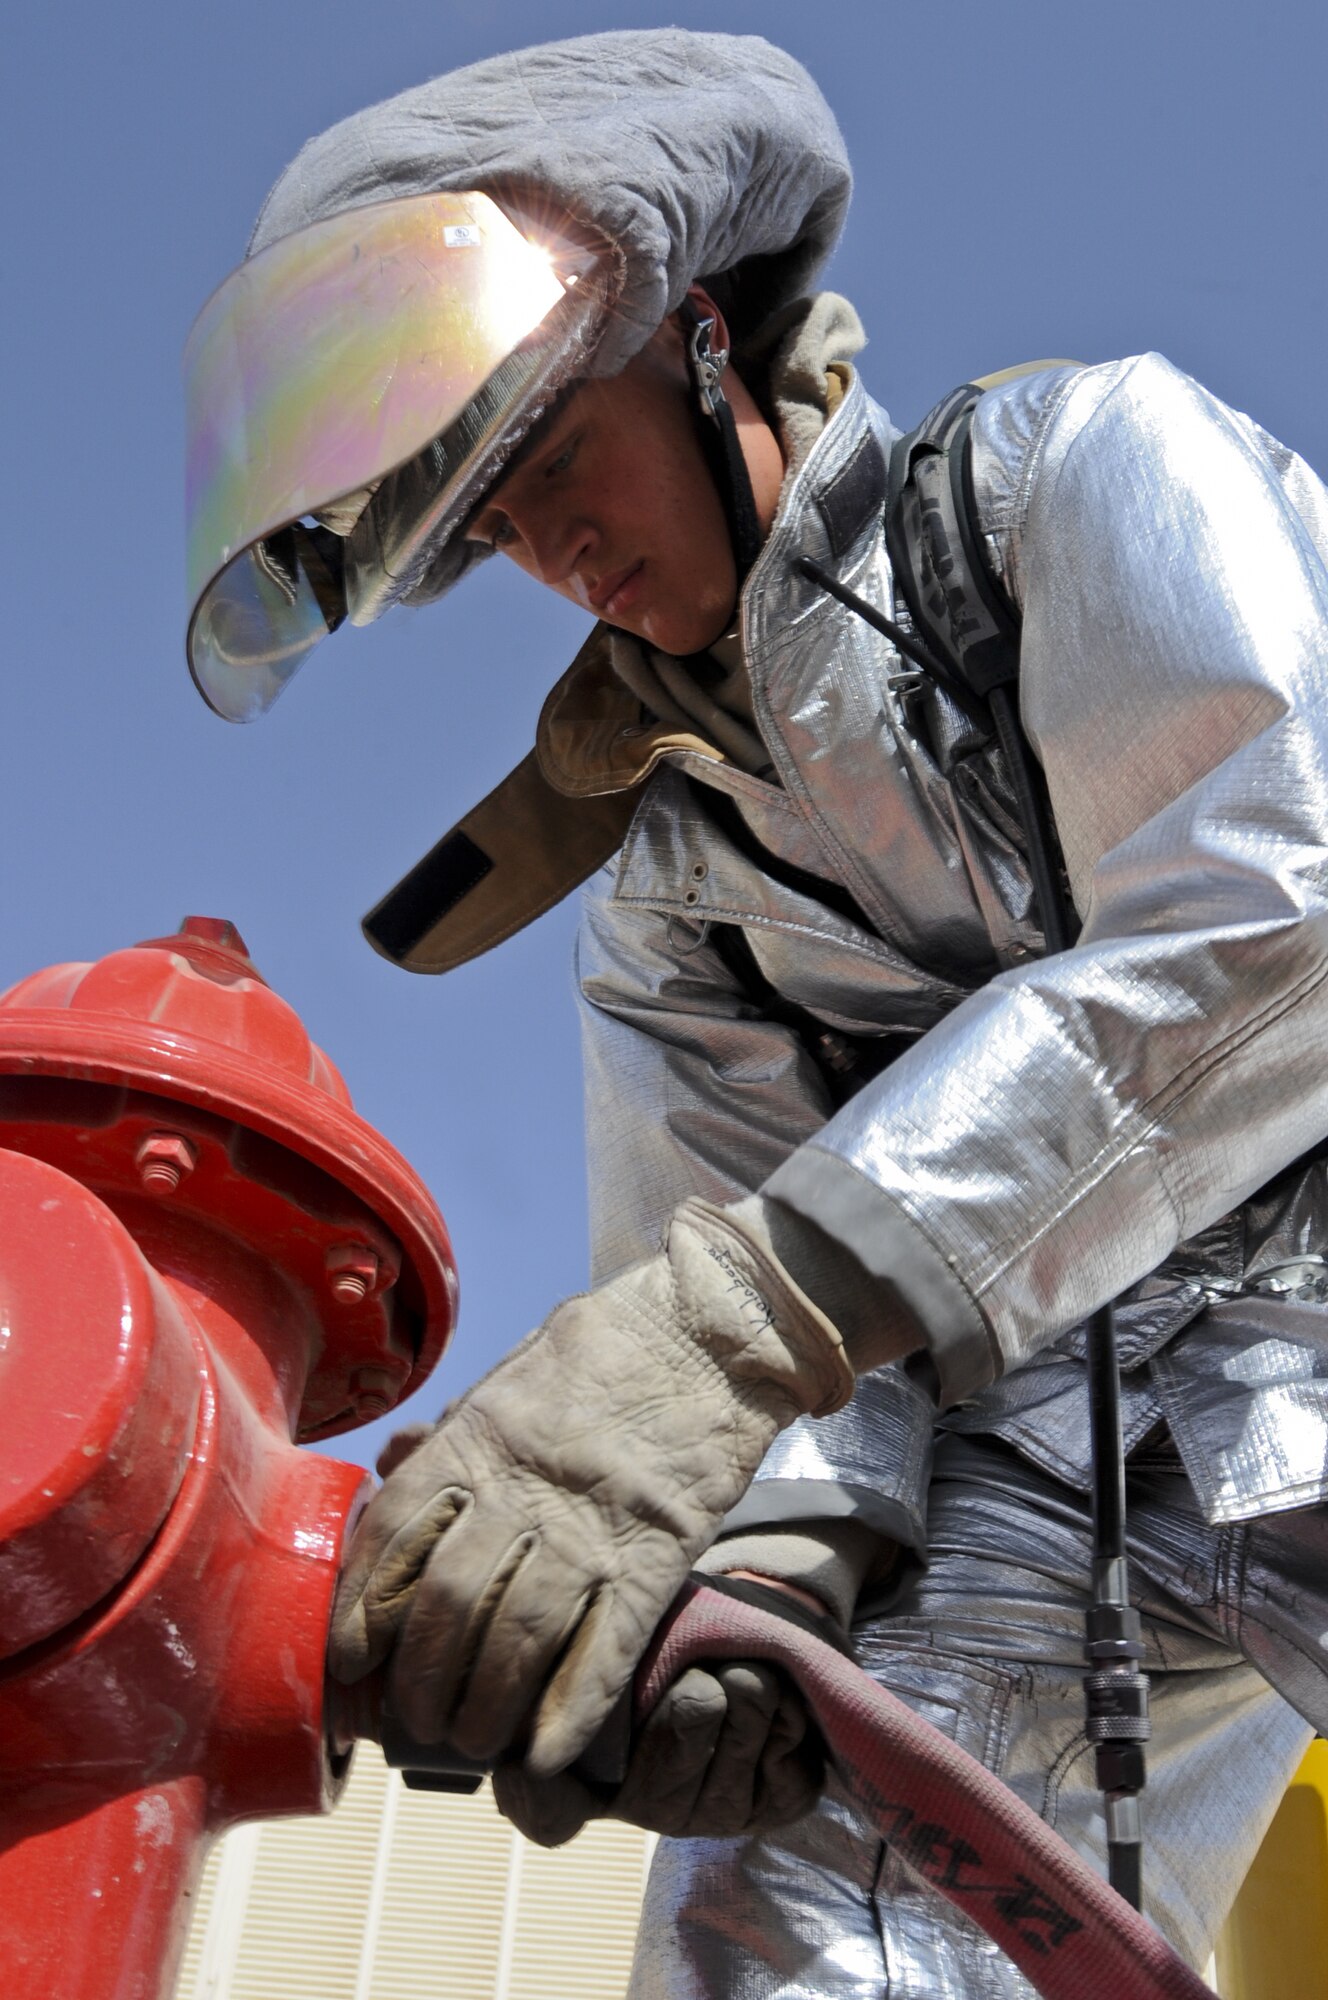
{"x": 538, "y": 835}
{"x": 593, "y": 734}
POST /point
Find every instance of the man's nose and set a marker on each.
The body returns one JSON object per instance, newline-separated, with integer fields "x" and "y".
{"x": 561, "y": 542}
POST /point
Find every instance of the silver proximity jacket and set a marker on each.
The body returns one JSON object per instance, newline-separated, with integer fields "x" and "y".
{"x": 1128, "y": 1119}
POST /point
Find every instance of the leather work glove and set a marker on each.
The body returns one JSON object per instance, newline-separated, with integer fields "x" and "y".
{"x": 517, "y": 1562}
{"x": 728, "y": 1750}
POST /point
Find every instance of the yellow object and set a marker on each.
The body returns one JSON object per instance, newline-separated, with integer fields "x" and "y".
{"x": 1004, "y": 375}
{"x": 1275, "y": 1943}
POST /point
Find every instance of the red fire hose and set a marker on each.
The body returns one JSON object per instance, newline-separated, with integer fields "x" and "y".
{"x": 948, "y": 1817}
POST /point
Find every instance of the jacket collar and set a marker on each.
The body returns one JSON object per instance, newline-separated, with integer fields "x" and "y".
{"x": 593, "y": 734}
{"x": 564, "y": 811}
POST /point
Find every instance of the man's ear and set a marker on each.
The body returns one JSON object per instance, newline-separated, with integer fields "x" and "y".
{"x": 702, "y": 300}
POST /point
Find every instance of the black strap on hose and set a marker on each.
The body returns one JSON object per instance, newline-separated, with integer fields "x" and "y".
{"x": 965, "y": 638}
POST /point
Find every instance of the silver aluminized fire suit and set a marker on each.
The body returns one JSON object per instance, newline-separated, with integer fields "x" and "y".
{"x": 1139, "y": 1117}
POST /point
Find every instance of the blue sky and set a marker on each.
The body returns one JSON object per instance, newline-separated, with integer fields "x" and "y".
{"x": 1031, "y": 180}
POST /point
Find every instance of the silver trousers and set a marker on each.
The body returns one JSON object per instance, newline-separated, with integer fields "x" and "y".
{"x": 987, "y": 1643}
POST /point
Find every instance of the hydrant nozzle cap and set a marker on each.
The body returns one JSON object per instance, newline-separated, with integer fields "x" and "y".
{"x": 209, "y": 943}
{"x": 215, "y": 930}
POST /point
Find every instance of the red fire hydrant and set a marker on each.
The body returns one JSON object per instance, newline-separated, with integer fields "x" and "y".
{"x": 205, "y": 1255}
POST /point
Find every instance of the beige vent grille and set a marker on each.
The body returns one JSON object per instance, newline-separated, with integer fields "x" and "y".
{"x": 413, "y": 1896}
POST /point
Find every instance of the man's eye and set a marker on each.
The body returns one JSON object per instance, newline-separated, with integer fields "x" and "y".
{"x": 501, "y": 533}
{"x": 562, "y": 462}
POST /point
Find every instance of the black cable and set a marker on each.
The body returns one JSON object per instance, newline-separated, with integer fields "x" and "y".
{"x": 1125, "y": 1870}
{"x": 1115, "y": 1690}
{"x": 907, "y": 642}
{"x": 1108, "y": 1444}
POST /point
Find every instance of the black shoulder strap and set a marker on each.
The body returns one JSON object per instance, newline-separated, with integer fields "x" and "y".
{"x": 964, "y": 617}
{"x": 938, "y": 553}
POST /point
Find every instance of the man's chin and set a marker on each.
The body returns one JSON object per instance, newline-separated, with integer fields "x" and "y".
{"x": 694, "y": 633}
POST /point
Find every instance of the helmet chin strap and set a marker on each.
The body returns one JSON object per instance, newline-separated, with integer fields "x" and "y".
{"x": 719, "y": 437}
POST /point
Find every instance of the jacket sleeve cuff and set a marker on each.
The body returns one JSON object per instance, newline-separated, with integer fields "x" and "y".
{"x": 832, "y": 1560}
{"x": 891, "y": 1247}
{"x": 869, "y": 1462}
{"x": 770, "y": 1503}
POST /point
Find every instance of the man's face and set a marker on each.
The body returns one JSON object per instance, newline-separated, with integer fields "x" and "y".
{"x": 613, "y": 506}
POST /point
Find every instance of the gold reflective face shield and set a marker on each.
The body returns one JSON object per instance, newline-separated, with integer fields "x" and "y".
{"x": 396, "y": 352}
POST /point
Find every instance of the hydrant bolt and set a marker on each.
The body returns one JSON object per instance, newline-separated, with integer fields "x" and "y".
{"x": 163, "y": 1160}
{"x": 375, "y": 1391}
{"x": 352, "y": 1270}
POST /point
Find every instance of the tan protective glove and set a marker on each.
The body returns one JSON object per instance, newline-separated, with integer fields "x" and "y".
{"x": 727, "y": 1750}
{"x": 518, "y": 1561}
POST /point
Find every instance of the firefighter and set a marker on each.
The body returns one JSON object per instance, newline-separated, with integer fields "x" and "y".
{"x": 849, "y": 1121}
